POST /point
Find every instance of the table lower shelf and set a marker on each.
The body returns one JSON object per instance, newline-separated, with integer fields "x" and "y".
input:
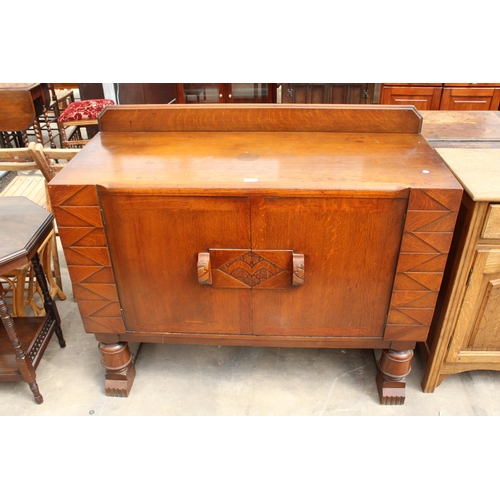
{"x": 34, "y": 334}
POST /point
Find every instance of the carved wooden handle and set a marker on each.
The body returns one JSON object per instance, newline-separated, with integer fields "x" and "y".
{"x": 204, "y": 269}
{"x": 243, "y": 268}
{"x": 298, "y": 269}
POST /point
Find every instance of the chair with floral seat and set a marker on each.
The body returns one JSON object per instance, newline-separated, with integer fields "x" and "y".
{"x": 80, "y": 114}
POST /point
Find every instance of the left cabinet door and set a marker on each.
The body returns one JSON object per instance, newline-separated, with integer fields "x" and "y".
{"x": 154, "y": 242}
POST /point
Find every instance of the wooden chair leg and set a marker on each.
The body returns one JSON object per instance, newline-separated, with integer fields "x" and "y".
{"x": 50, "y": 262}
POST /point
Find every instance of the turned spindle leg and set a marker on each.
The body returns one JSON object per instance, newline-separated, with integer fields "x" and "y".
{"x": 392, "y": 369}
{"x": 48, "y": 301}
{"x": 120, "y": 370}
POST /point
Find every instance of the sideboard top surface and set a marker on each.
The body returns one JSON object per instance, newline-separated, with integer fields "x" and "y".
{"x": 189, "y": 159}
{"x": 257, "y": 161}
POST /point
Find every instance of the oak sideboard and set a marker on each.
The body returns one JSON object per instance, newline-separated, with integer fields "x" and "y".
{"x": 322, "y": 226}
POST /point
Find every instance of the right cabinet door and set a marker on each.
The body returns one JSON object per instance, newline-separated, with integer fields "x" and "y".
{"x": 478, "y": 328}
{"x": 350, "y": 248}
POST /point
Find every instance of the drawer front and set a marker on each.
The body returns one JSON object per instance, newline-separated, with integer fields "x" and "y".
{"x": 492, "y": 225}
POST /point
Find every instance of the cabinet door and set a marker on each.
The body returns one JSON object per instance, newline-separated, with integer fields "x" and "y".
{"x": 210, "y": 93}
{"x": 328, "y": 93}
{"x": 425, "y": 98}
{"x": 470, "y": 98}
{"x": 306, "y": 93}
{"x": 200, "y": 93}
{"x": 478, "y": 326}
{"x": 350, "y": 248}
{"x": 352, "y": 93}
{"x": 154, "y": 242}
{"x": 250, "y": 92}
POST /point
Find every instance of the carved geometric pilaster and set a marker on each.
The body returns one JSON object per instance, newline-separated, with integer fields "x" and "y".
{"x": 427, "y": 236}
{"x": 81, "y": 229}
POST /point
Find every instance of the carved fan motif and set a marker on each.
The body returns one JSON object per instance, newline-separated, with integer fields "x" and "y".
{"x": 251, "y": 269}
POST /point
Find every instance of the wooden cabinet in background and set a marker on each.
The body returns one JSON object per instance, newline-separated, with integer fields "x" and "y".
{"x": 470, "y": 98}
{"x": 328, "y": 93}
{"x": 443, "y": 96}
{"x": 465, "y": 333}
{"x": 228, "y": 93}
{"x": 422, "y": 97}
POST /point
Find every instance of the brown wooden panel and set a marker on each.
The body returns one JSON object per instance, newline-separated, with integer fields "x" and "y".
{"x": 437, "y": 200}
{"x": 256, "y": 118}
{"x": 416, "y": 333}
{"x": 111, "y": 309}
{"x": 73, "y": 195}
{"x": 95, "y": 291}
{"x": 87, "y": 256}
{"x": 72, "y": 217}
{"x": 420, "y": 262}
{"x": 344, "y": 241}
{"x": 18, "y": 110}
{"x": 468, "y": 99}
{"x": 93, "y": 307}
{"x": 412, "y": 298}
{"x": 176, "y": 229}
{"x": 103, "y": 325}
{"x": 82, "y": 236}
{"x": 423, "y": 98}
{"x": 431, "y": 281}
{"x": 90, "y": 274}
{"x": 430, "y": 221}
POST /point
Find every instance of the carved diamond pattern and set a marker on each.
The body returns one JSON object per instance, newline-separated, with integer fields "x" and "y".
{"x": 426, "y": 241}
{"x": 251, "y": 269}
{"x": 81, "y": 229}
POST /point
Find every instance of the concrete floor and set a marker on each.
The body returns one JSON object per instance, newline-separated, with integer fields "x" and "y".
{"x": 210, "y": 380}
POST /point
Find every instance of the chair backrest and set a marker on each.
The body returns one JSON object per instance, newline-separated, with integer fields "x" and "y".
{"x": 17, "y": 111}
{"x": 34, "y": 157}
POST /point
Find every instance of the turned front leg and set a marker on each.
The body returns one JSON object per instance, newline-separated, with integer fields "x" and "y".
{"x": 120, "y": 370}
{"x": 392, "y": 369}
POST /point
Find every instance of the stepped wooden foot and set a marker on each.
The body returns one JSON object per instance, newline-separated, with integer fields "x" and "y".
{"x": 392, "y": 369}
{"x": 120, "y": 370}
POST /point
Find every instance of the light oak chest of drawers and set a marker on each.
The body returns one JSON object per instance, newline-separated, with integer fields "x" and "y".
{"x": 465, "y": 334}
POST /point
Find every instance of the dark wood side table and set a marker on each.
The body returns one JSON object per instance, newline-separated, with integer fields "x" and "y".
{"x": 24, "y": 226}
